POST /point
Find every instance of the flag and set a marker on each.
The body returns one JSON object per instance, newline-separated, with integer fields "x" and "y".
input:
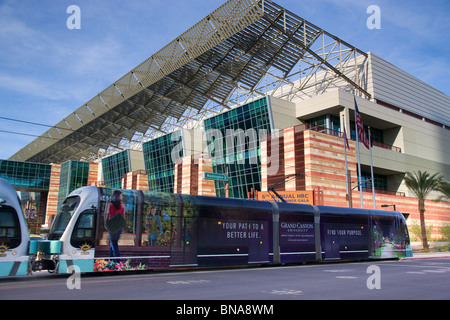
{"x": 360, "y": 128}
{"x": 346, "y": 140}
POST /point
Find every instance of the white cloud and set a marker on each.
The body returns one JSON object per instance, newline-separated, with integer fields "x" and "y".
{"x": 30, "y": 86}
{"x": 63, "y": 65}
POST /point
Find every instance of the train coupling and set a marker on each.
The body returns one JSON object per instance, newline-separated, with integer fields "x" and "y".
{"x": 44, "y": 254}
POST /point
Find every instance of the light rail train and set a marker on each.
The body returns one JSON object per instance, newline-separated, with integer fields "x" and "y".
{"x": 14, "y": 237}
{"x": 104, "y": 230}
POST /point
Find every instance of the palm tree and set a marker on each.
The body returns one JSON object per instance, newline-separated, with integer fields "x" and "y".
{"x": 421, "y": 184}
{"x": 444, "y": 188}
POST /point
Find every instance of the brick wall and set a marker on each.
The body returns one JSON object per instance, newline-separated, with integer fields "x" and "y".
{"x": 321, "y": 157}
{"x": 52, "y": 200}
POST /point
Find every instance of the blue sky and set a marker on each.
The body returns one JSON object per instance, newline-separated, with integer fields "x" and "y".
{"x": 47, "y": 71}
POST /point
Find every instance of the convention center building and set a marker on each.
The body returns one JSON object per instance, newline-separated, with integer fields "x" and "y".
{"x": 252, "y": 99}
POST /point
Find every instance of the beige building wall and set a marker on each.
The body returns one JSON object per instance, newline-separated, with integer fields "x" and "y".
{"x": 283, "y": 113}
{"x": 392, "y": 85}
{"x": 422, "y": 144}
{"x": 136, "y": 160}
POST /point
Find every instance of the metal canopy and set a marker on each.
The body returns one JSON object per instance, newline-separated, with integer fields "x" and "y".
{"x": 244, "y": 49}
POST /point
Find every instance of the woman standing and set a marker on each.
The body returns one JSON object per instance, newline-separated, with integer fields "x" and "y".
{"x": 115, "y": 221}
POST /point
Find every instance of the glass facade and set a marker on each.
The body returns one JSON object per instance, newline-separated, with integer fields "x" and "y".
{"x": 233, "y": 140}
{"x": 26, "y": 175}
{"x": 32, "y": 207}
{"x": 377, "y": 134}
{"x": 158, "y": 161}
{"x": 328, "y": 121}
{"x": 74, "y": 174}
{"x": 380, "y": 181}
{"x": 114, "y": 167}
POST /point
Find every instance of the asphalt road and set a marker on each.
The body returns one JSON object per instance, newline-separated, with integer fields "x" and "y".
{"x": 385, "y": 280}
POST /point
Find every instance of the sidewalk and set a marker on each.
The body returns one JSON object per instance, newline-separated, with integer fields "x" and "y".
{"x": 427, "y": 255}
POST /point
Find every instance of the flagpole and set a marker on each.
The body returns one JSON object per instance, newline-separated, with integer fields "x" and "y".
{"x": 347, "y": 196}
{"x": 371, "y": 170}
{"x": 359, "y": 161}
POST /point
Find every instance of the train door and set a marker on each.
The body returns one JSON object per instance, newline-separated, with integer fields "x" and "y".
{"x": 258, "y": 231}
{"x": 166, "y": 235}
{"x": 184, "y": 249}
{"x": 258, "y": 241}
{"x": 345, "y": 236}
{"x": 297, "y": 233}
{"x": 330, "y": 242}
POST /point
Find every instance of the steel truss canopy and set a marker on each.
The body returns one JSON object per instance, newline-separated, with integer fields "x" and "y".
{"x": 242, "y": 50}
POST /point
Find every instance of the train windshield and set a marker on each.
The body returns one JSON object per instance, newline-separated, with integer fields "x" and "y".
{"x": 9, "y": 227}
{"x": 62, "y": 219}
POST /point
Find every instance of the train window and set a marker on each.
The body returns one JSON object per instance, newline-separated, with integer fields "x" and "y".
{"x": 390, "y": 229}
{"x": 390, "y": 236}
{"x": 153, "y": 225}
{"x": 118, "y": 214}
{"x": 158, "y": 224}
{"x": 84, "y": 230}
{"x": 9, "y": 227}
{"x": 158, "y": 219}
{"x": 62, "y": 219}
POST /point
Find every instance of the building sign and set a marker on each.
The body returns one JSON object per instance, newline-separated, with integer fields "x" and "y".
{"x": 305, "y": 197}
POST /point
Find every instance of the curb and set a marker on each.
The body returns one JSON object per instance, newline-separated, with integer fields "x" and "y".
{"x": 434, "y": 255}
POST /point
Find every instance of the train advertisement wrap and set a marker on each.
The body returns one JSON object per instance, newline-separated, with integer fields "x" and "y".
{"x": 104, "y": 230}
{"x": 297, "y": 238}
{"x": 226, "y": 241}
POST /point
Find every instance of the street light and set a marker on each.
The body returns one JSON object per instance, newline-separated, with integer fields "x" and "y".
{"x": 388, "y": 205}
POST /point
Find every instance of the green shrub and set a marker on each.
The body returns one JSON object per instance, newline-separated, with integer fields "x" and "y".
{"x": 415, "y": 232}
{"x": 445, "y": 232}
